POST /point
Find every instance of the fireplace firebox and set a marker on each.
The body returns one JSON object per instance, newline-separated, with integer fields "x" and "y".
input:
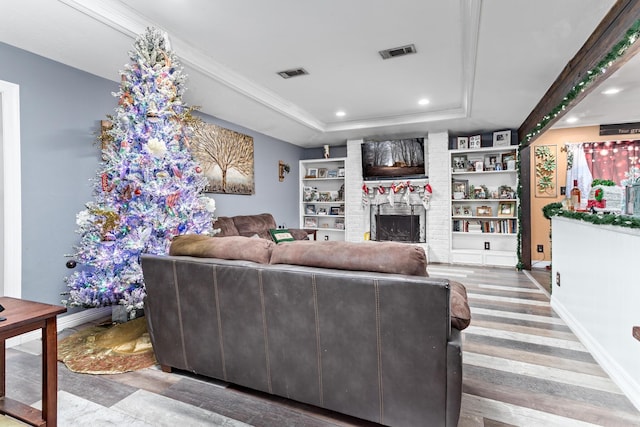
{"x": 398, "y": 223}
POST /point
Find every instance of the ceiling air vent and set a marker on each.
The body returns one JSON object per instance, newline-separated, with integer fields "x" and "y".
{"x": 397, "y": 51}
{"x": 287, "y": 74}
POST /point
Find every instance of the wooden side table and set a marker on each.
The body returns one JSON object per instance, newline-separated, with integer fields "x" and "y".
{"x": 26, "y": 316}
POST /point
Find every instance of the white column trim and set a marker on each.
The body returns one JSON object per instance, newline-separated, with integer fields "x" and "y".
{"x": 11, "y": 169}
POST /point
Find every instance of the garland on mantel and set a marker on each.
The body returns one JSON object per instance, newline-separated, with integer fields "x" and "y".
{"x": 555, "y": 209}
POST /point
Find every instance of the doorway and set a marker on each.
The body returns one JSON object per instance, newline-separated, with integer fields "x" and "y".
{"x": 10, "y": 196}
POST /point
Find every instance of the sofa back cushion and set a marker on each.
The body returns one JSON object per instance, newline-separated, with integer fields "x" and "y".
{"x": 226, "y": 226}
{"x": 250, "y": 225}
{"x": 382, "y": 257}
{"x": 230, "y": 247}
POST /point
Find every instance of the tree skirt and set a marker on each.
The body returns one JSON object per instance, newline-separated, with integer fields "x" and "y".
{"x": 115, "y": 349}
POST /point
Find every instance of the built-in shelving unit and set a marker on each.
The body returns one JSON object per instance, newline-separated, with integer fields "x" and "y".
{"x": 484, "y": 206}
{"x": 322, "y": 197}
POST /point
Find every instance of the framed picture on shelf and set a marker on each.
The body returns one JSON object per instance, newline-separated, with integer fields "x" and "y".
{"x": 310, "y": 223}
{"x": 333, "y": 210}
{"x": 310, "y": 209}
{"x": 483, "y": 211}
{"x": 324, "y": 196}
{"x": 332, "y": 173}
{"x": 312, "y": 173}
{"x": 341, "y": 210}
{"x": 321, "y": 211}
{"x": 459, "y": 163}
{"x": 475, "y": 141}
{"x": 466, "y": 211}
{"x": 460, "y": 189}
{"x": 507, "y": 209}
{"x": 456, "y": 210}
{"x": 492, "y": 161}
{"x": 509, "y": 161}
{"x": 502, "y": 138}
{"x": 339, "y": 224}
{"x": 463, "y": 142}
{"x": 322, "y": 173}
{"x": 340, "y": 172}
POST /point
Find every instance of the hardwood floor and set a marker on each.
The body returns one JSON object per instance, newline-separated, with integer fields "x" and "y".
{"x": 522, "y": 367}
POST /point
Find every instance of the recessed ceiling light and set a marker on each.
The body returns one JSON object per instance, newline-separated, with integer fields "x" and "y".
{"x": 423, "y": 101}
{"x": 340, "y": 113}
{"x": 572, "y": 119}
{"x": 611, "y": 91}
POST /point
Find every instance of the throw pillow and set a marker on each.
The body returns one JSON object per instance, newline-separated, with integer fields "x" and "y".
{"x": 281, "y": 235}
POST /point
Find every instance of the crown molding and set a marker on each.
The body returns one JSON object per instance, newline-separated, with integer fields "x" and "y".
{"x": 128, "y": 22}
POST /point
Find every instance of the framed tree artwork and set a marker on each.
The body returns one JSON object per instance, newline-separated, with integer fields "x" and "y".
{"x": 226, "y": 158}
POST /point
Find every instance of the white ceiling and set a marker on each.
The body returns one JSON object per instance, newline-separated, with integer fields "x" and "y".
{"x": 483, "y": 64}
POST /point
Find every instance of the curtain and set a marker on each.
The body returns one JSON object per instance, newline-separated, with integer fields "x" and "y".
{"x": 611, "y": 159}
{"x": 579, "y": 169}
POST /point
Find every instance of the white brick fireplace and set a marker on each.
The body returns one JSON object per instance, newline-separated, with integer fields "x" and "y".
{"x": 438, "y": 215}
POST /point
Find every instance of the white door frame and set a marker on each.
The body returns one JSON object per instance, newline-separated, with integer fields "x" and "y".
{"x": 12, "y": 280}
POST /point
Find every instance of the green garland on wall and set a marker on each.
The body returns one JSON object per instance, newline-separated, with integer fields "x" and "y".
{"x": 555, "y": 209}
{"x": 630, "y": 37}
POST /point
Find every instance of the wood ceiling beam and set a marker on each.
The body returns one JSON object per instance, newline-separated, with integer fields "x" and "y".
{"x": 622, "y": 15}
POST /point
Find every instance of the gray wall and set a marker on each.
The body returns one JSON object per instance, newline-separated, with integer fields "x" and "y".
{"x": 61, "y": 108}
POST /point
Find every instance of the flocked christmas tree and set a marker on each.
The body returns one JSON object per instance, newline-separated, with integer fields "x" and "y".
{"x": 148, "y": 189}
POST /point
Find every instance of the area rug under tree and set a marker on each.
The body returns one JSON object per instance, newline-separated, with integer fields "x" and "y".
{"x": 109, "y": 349}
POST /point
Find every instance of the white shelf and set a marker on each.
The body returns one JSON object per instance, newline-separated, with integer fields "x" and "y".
{"x": 483, "y": 247}
{"x": 326, "y": 223}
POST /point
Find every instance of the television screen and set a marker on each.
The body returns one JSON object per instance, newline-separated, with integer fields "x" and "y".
{"x": 392, "y": 159}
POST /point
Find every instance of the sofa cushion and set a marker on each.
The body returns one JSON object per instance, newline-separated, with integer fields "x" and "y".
{"x": 226, "y": 226}
{"x": 383, "y": 257}
{"x": 252, "y": 224}
{"x": 460, "y": 312}
{"x": 230, "y": 247}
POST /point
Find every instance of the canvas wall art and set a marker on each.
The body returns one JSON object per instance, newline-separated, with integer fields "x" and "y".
{"x": 226, "y": 158}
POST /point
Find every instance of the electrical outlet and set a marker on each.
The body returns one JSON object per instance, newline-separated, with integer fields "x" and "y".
{"x": 563, "y": 191}
{"x": 540, "y": 248}
{"x": 487, "y": 246}
{"x": 558, "y": 279}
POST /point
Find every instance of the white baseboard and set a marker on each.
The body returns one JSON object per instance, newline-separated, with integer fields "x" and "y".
{"x": 629, "y": 386}
{"x": 63, "y": 322}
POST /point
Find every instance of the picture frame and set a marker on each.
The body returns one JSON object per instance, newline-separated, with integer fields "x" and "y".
{"x": 491, "y": 161}
{"x": 334, "y": 210}
{"x": 310, "y": 209}
{"x": 502, "y": 138}
{"x": 312, "y": 173}
{"x": 332, "y": 173}
{"x": 322, "y": 172}
{"x": 339, "y": 224}
{"x": 341, "y": 210}
{"x": 459, "y": 163}
{"x": 459, "y": 189}
{"x": 466, "y": 211}
{"x": 507, "y": 209}
{"x": 462, "y": 142}
{"x": 340, "y": 172}
{"x": 311, "y": 223}
{"x": 456, "y": 210}
{"x": 324, "y": 196}
{"x": 475, "y": 141}
{"x": 484, "y": 211}
{"x": 506, "y": 192}
{"x": 321, "y": 211}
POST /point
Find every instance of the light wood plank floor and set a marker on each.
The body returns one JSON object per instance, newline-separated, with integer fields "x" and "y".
{"x": 522, "y": 367}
